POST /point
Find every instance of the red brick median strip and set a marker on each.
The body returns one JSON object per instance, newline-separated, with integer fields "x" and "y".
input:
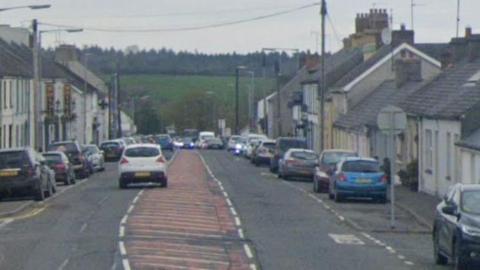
{"x": 186, "y": 226}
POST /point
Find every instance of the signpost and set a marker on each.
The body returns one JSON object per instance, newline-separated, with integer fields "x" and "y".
{"x": 392, "y": 121}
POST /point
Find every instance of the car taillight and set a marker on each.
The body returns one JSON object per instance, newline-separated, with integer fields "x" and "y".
{"x": 384, "y": 179}
{"x": 60, "y": 167}
{"x": 342, "y": 177}
{"x": 291, "y": 162}
{"x": 161, "y": 159}
{"x": 124, "y": 161}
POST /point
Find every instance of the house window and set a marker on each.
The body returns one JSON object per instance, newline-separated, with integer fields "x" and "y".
{"x": 4, "y": 95}
{"x": 449, "y": 156}
{"x": 428, "y": 149}
{"x": 10, "y": 92}
{"x": 10, "y": 135}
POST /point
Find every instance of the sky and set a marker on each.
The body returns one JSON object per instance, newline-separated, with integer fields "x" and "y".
{"x": 434, "y": 21}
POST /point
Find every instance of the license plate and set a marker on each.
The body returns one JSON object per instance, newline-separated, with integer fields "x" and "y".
{"x": 110, "y": 155}
{"x": 364, "y": 181}
{"x": 8, "y": 173}
{"x": 142, "y": 174}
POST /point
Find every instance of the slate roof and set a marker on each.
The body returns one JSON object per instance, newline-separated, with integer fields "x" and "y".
{"x": 11, "y": 63}
{"x": 434, "y": 50}
{"x": 336, "y": 66}
{"x": 447, "y": 96}
{"x": 365, "y": 113}
{"x": 472, "y": 141}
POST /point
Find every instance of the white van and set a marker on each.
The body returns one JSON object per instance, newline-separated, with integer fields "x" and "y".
{"x": 203, "y": 136}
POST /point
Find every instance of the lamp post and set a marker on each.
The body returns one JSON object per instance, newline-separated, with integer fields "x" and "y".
{"x": 237, "y": 72}
{"x": 277, "y": 76}
{"x": 37, "y": 45}
{"x": 251, "y": 100}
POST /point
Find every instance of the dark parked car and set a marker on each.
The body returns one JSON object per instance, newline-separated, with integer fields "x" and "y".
{"x": 165, "y": 141}
{"x": 456, "y": 230}
{"x": 25, "y": 170}
{"x": 112, "y": 149}
{"x": 188, "y": 143}
{"x": 59, "y": 163}
{"x": 75, "y": 155}
{"x": 282, "y": 145}
{"x": 214, "y": 143}
{"x": 327, "y": 162}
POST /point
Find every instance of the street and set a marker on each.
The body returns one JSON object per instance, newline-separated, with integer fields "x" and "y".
{"x": 95, "y": 225}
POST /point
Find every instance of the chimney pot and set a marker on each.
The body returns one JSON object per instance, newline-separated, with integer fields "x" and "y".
{"x": 402, "y": 27}
{"x": 468, "y": 32}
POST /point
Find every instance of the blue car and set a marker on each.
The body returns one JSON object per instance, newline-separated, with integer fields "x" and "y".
{"x": 357, "y": 177}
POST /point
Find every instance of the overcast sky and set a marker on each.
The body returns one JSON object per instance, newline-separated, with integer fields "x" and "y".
{"x": 434, "y": 22}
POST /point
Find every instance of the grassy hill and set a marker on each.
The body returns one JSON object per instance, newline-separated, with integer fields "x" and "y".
{"x": 189, "y": 101}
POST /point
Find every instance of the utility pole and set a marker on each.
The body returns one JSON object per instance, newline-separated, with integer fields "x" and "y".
{"x": 279, "y": 107}
{"x": 458, "y": 17}
{"x": 322, "y": 85}
{"x": 85, "y": 98}
{"x": 237, "y": 71}
{"x": 264, "y": 74}
{"x": 37, "y": 102}
{"x": 117, "y": 103}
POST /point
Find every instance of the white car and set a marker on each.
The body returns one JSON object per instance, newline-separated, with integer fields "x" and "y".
{"x": 142, "y": 163}
{"x": 232, "y": 142}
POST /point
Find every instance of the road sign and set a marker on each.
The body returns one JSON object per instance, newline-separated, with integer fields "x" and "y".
{"x": 392, "y": 120}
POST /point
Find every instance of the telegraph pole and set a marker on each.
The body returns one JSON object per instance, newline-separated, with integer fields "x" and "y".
{"x": 237, "y": 71}
{"x": 458, "y": 17}
{"x": 37, "y": 116}
{"x": 322, "y": 85}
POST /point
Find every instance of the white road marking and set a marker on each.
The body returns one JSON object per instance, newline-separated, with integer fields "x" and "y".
{"x": 401, "y": 257}
{"x": 346, "y": 239}
{"x": 124, "y": 219}
{"x": 240, "y": 234}
{"x": 233, "y": 211}
{"x": 237, "y": 221}
{"x": 130, "y": 209}
{"x": 341, "y": 218}
{"x": 123, "y": 251}
{"x": 409, "y": 263}
{"x": 64, "y": 264}
{"x": 225, "y": 194}
{"x": 126, "y": 264}
{"x": 6, "y": 222}
{"x": 229, "y": 202}
{"x": 135, "y": 200}
{"x": 248, "y": 251}
{"x": 253, "y": 267}
{"x": 121, "y": 233}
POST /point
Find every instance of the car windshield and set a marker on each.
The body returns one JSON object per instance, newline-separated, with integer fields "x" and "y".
{"x": 13, "y": 159}
{"x": 288, "y": 144}
{"x": 90, "y": 149}
{"x": 110, "y": 145}
{"x": 63, "y": 147}
{"x": 471, "y": 202}
{"x": 304, "y": 155}
{"x": 53, "y": 159}
{"x": 142, "y": 152}
{"x": 235, "y": 138}
{"x": 332, "y": 158}
{"x": 361, "y": 166}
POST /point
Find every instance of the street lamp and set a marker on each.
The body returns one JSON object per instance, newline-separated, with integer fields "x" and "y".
{"x": 37, "y": 39}
{"x": 35, "y": 7}
{"x": 237, "y": 71}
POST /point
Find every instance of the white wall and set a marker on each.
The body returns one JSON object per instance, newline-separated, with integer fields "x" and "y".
{"x": 439, "y": 165}
{"x": 470, "y": 165}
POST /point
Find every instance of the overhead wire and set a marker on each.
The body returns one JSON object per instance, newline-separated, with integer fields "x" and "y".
{"x": 188, "y": 28}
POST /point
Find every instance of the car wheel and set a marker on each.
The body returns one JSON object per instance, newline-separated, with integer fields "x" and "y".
{"x": 337, "y": 197}
{"x": 122, "y": 184}
{"x": 49, "y": 191}
{"x": 439, "y": 258}
{"x": 39, "y": 194}
{"x": 316, "y": 189}
{"x": 459, "y": 261}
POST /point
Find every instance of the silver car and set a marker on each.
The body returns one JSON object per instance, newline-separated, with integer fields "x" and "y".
{"x": 94, "y": 156}
{"x": 297, "y": 163}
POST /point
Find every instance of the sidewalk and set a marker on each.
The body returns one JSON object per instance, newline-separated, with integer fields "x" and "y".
{"x": 185, "y": 226}
{"x": 418, "y": 204}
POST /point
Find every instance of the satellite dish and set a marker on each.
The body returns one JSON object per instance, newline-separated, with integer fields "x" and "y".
{"x": 387, "y": 36}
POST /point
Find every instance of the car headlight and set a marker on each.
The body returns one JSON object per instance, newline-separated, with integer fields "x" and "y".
{"x": 471, "y": 231}
{"x": 238, "y": 146}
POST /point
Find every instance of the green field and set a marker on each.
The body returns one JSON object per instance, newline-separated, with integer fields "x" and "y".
{"x": 191, "y": 101}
